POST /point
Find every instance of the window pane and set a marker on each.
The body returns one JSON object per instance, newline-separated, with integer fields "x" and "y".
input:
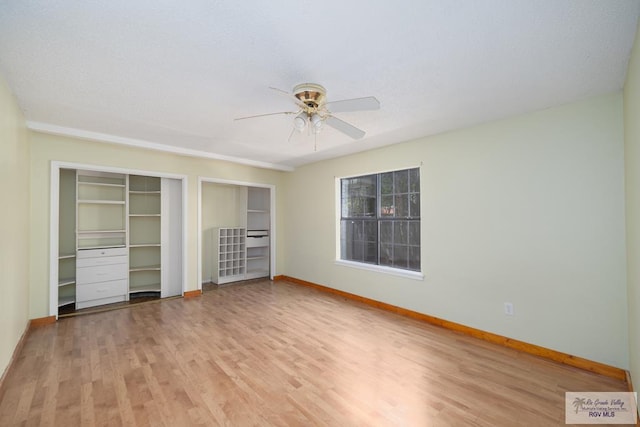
{"x": 386, "y": 231}
{"x": 386, "y": 254}
{"x": 386, "y": 206}
{"x": 414, "y": 258}
{"x": 414, "y": 233}
{"x": 352, "y": 246}
{"x": 401, "y": 181}
{"x": 414, "y": 180}
{"x": 414, "y": 205}
{"x": 358, "y": 252}
{"x": 401, "y": 206}
{"x": 358, "y": 234}
{"x": 346, "y": 231}
{"x": 371, "y": 253}
{"x": 359, "y": 196}
{"x": 400, "y": 232}
{"x": 400, "y": 255}
{"x": 371, "y": 231}
{"x": 386, "y": 183}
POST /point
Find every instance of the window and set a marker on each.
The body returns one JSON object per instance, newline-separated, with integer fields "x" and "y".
{"x": 380, "y": 219}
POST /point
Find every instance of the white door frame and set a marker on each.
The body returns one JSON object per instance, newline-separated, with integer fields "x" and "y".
{"x": 54, "y": 214}
{"x": 272, "y": 219}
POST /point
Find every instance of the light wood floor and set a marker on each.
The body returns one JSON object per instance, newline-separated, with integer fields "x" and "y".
{"x": 268, "y": 353}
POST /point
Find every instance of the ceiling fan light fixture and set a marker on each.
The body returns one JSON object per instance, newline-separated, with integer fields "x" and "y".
{"x": 314, "y": 112}
{"x": 300, "y": 122}
{"x": 316, "y": 121}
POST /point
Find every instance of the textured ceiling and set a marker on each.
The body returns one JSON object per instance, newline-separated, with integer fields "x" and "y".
{"x": 173, "y": 75}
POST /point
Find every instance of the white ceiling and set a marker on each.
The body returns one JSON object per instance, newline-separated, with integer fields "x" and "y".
{"x": 173, "y": 75}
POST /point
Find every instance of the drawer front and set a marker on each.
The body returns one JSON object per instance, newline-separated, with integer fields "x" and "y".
{"x": 106, "y": 260}
{"x": 253, "y": 242}
{"x": 99, "y": 253}
{"x": 101, "y": 273}
{"x": 101, "y": 290}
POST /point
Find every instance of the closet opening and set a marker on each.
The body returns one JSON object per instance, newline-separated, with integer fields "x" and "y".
{"x": 116, "y": 238}
{"x": 236, "y": 232}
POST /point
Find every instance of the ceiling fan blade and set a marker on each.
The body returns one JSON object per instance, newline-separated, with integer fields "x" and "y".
{"x": 284, "y": 92}
{"x": 288, "y": 95}
{"x": 355, "y": 104}
{"x": 344, "y": 127}
{"x": 293, "y": 130}
{"x": 267, "y": 114}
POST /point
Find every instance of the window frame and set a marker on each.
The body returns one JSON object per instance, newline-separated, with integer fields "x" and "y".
{"x": 411, "y": 274}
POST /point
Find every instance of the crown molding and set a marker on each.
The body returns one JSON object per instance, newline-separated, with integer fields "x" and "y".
{"x": 139, "y": 143}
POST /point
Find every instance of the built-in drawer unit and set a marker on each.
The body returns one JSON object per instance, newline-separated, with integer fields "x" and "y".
{"x": 102, "y": 273}
{"x": 103, "y": 260}
{"x": 100, "y": 290}
{"x": 101, "y": 276}
{"x": 254, "y": 242}
{"x": 101, "y": 255}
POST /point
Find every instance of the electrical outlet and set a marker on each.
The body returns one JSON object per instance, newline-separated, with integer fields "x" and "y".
{"x": 508, "y": 309}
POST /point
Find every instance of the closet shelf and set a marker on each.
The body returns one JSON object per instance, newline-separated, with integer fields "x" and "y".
{"x": 100, "y": 184}
{"x": 100, "y": 231}
{"x": 101, "y": 202}
{"x": 145, "y": 268}
{"x": 154, "y": 287}
{"x": 67, "y": 281}
{"x": 66, "y": 256}
{"x": 66, "y": 301}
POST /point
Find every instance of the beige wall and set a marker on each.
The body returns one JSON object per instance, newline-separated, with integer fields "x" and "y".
{"x": 222, "y": 206}
{"x": 14, "y": 225}
{"x": 45, "y": 148}
{"x": 528, "y": 210}
{"x": 632, "y": 170}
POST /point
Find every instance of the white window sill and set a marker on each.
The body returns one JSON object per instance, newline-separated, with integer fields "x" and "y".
{"x": 415, "y": 275}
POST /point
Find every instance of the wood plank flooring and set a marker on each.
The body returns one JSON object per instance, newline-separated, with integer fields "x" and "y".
{"x": 266, "y": 353}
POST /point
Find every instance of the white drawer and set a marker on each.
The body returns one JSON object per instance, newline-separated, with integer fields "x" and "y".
{"x": 253, "y": 242}
{"x": 101, "y": 290}
{"x": 101, "y": 273}
{"x": 99, "y": 253}
{"x": 107, "y": 260}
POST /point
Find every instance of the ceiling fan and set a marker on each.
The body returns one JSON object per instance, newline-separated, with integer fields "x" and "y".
{"x": 314, "y": 112}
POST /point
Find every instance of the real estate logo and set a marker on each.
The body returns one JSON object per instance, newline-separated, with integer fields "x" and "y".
{"x": 601, "y": 408}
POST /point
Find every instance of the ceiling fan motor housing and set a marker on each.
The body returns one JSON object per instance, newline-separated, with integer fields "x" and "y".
{"x": 310, "y": 94}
